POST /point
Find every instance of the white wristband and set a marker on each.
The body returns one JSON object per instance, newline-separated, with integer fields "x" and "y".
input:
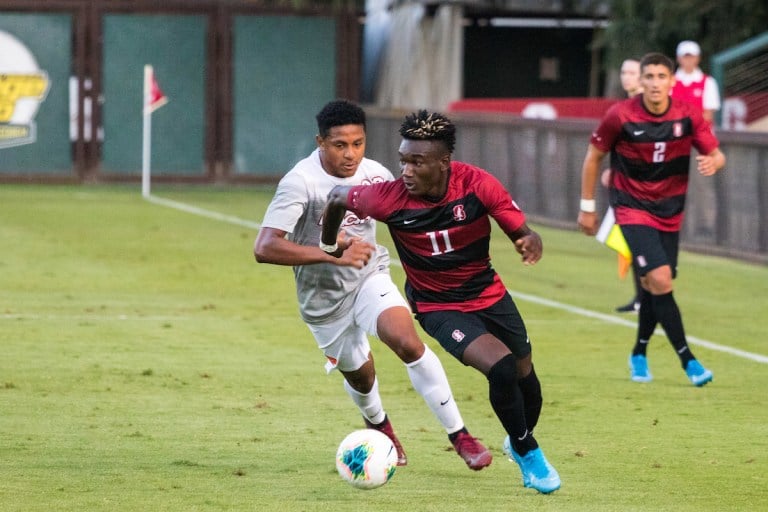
{"x": 587, "y": 205}
{"x": 330, "y": 249}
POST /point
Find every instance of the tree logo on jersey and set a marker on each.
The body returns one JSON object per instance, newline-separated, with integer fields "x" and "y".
{"x": 23, "y": 87}
{"x": 677, "y": 129}
{"x": 458, "y": 213}
{"x": 458, "y": 336}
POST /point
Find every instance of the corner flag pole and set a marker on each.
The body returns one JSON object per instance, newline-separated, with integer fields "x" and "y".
{"x": 153, "y": 98}
{"x": 146, "y": 145}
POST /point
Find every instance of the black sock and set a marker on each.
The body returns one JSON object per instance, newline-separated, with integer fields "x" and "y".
{"x": 670, "y": 319}
{"x": 646, "y": 324}
{"x": 530, "y": 387}
{"x": 638, "y": 287}
{"x": 507, "y": 402}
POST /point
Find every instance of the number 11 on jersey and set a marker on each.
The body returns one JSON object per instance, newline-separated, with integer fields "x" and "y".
{"x": 433, "y": 237}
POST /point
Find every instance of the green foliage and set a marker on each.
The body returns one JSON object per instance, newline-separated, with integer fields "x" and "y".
{"x": 148, "y": 363}
{"x": 640, "y": 26}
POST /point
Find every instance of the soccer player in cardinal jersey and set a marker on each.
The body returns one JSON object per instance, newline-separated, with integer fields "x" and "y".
{"x": 649, "y": 138}
{"x": 438, "y": 215}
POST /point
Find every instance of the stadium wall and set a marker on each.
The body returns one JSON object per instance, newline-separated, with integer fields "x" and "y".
{"x": 240, "y": 77}
{"x": 539, "y": 161}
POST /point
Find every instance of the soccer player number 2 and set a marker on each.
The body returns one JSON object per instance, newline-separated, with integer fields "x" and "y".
{"x": 659, "y": 148}
{"x": 436, "y": 245}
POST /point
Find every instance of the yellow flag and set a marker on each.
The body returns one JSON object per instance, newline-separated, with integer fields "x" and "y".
{"x": 610, "y": 234}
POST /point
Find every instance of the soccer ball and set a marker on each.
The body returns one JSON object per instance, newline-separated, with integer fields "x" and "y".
{"x": 366, "y": 459}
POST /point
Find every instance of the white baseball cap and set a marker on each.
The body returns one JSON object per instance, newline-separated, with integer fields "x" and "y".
{"x": 688, "y": 48}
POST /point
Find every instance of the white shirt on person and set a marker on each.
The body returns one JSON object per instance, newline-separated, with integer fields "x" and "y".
{"x": 325, "y": 291}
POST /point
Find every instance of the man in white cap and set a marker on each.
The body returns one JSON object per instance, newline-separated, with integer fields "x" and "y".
{"x": 691, "y": 82}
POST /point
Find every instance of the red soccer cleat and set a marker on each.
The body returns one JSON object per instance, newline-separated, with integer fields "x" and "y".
{"x": 386, "y": 427}
{"x": 472, "y": 451}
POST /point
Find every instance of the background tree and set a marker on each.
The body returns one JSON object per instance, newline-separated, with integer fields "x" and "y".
{"x": 640, "y": 26}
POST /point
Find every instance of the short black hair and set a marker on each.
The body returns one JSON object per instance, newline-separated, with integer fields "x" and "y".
{"x": 658, "y": 59}
{"x": 339, "y": 113}
{"x": 423, "y": 125}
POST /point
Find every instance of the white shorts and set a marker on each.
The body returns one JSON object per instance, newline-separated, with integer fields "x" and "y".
{"x": 344, "y": 341}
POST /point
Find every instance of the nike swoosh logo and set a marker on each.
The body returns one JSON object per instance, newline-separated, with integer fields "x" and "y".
{"x": 524, "y": 436}
{"x": 409, "y": 221}
{"x": 639, "y": 132}
{"x": 448, "y": 400}
{"x": 383, "y": 294}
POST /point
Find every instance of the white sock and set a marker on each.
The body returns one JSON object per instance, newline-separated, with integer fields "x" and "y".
{"x": 429, "y": 380}
{"x": 368, "y": 403}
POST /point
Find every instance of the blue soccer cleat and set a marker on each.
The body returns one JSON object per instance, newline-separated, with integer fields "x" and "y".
{"x": 697, "y": 373}
{"x": 537, "y": 472}
{"x": 638, "y": 369}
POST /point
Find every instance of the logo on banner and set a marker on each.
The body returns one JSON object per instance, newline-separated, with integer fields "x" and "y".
{"x": 23, "y": 87}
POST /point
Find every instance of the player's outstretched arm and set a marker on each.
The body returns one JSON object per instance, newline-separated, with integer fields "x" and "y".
{"x": 272, "y": 246}
{"x": 333, "y": 215}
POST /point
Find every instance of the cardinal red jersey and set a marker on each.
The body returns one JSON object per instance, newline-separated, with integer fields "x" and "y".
{"x": 693, "y": 92}
{"x": 650, "y": 157}
{"x": 443, "y": 244}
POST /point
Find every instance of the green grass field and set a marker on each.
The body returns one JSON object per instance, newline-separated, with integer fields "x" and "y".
{"x": 148, "y": 363}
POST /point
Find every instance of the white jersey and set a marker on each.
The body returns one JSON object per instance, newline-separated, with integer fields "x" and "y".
{"x": 325, "y": 291}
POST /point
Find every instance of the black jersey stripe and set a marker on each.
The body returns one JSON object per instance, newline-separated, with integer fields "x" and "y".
{"x": 436, "y": 218}
{"x": 640, "y": 170}
{"x": 666, "y": 208}
{"x": 470, "y": 289}
{"x": 653, "y": 132}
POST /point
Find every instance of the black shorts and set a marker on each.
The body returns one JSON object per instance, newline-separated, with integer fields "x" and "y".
{"x": 455, "y": 330}
{"x": 651, "y": 248}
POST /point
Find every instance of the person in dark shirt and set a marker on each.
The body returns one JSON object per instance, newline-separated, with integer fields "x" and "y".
{"x": 650, "y": 137}
{"x": 438, "y": 213}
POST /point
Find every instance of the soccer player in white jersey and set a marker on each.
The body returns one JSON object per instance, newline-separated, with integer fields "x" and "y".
{"x": 345, "y": 290}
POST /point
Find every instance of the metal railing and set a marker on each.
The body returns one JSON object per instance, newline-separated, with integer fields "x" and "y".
{"x": 742, "y": 75}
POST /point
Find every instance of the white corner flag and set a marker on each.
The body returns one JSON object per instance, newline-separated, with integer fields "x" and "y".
{"x": 153, "y": 99}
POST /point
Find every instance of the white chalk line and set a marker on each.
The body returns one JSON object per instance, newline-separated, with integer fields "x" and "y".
{"x": 203, "y": 212}
{"x": 693, "y": 340}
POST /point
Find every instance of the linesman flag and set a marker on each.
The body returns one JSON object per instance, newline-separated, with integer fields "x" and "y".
{"x": 610, "y": 234}
{"x": 153, "y": 95}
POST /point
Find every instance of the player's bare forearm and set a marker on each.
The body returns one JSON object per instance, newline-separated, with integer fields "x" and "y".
{"x": 333, "y": 215}
{"x": 587, "y": 220}
{"x": 589, "y": 171}
{"x": 272, "y": 246}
